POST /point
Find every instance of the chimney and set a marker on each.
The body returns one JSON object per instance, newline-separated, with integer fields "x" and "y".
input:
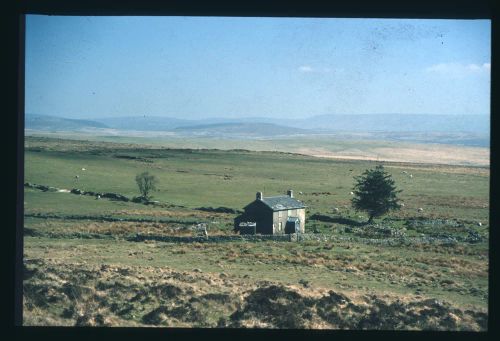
{"x": 259, "y": 196}
{"x": 289, "y": 193}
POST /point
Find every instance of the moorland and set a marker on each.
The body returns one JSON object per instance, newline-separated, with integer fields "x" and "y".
{"x": 412, "y": 269}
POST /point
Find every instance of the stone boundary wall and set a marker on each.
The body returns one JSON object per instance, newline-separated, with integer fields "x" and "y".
{"x": 377, "y": 241}
{"x": 100, "y": 195}
{"x": 209, "y": 239}
{"x": 296, "y": 238}
{"x": 250, "y": 238}
{"x": 111, "y": 219}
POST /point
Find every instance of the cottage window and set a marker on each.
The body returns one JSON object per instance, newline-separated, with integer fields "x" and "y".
{"x": 280, "y": 214}
{"x": 280, "y": 226}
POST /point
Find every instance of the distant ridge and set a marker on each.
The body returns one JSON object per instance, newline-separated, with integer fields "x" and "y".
{"x": 243, "y": 128}
{"x": 146, "y": 123}
{"x": 54, "y": 123}
{"x": 266, "y": 126}
{"x": 398, "y": 123}
{"x": 319, "y": 123}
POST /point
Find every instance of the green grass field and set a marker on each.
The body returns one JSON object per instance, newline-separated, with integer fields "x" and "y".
{"x": 454, "y": 200}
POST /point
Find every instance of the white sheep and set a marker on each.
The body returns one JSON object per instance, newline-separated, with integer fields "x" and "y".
{"x": 479, "y": 224}
{"x": 83, "y": 169}
{"x": 98, "y": 197}
{"x": 77, "y": 177}
{"x": 420, "y": 209}
{"x": 405, "y": 172}
{"x": 352, "y": 193}
{"x": 335, "y": 209}
{"x": 411, "y": 176}
{"x": 402, "y": 204}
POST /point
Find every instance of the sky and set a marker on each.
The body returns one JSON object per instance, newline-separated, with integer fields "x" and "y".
{"x": 199, "y": 67}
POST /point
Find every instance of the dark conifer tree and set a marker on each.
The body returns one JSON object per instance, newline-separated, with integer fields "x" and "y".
{"x": 375, "y": 193}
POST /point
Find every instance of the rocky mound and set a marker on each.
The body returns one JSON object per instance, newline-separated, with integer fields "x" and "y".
{"x": 277, "y": 306}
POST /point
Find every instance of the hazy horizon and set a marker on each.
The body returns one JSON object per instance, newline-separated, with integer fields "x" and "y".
{"x": 245, "y": 117}
{"x": 220, "y": 67}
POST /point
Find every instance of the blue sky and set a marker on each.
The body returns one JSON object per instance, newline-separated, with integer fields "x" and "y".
{"x": 197, "y": 67}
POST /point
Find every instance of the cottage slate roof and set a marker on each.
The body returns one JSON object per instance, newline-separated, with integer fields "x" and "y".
{"x": 282, "y": 202}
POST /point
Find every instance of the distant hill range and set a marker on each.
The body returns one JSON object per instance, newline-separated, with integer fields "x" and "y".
{"x": 145, "y": 123}
{"x": 263, "y": 126}
{"x": 54, "y": 123}
{"x": 388, "y": 123}
{"x": 256, "y": 129}
{"x": 321, "y": 123}
{"x": 208, "y": 127}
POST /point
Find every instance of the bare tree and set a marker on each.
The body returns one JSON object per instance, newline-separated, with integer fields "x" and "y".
{"x": 146, "y": 183}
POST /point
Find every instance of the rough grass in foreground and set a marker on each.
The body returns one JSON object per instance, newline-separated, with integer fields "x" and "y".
{"x": 55, "y": 294}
